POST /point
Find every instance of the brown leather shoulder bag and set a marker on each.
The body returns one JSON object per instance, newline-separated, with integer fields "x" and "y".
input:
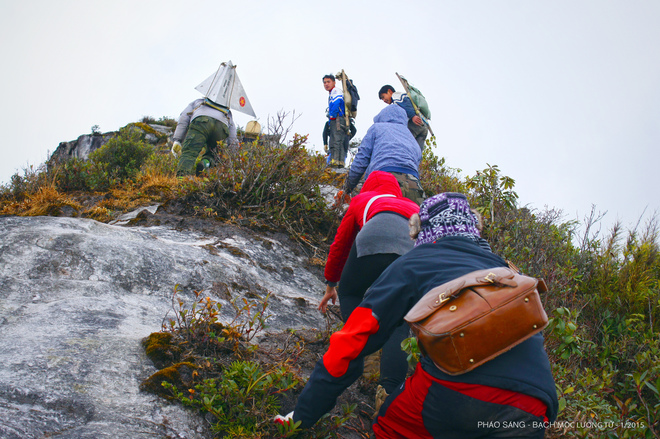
{"x": 472, "y": 319}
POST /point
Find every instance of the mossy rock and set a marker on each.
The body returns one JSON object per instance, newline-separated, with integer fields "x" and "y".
{"x": 179, "y": 374}
{"x": 160, "y": 350}
{"x": 146, "y": 128}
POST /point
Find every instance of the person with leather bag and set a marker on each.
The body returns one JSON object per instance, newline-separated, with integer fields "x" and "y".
{"x": 511, "y": 395}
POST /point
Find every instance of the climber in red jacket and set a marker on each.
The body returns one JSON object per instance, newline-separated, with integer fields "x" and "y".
{"x": 372, "y": 235}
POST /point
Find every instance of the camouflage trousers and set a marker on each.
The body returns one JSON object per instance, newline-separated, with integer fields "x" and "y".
{"x": 410, "y": 187}
{"x": 203, "y": 132}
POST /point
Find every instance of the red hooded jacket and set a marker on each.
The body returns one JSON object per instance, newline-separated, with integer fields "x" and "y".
{"x": 378, "y": 183}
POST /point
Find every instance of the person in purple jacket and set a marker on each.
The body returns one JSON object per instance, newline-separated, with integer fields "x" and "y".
{"x": 389, "y": 146}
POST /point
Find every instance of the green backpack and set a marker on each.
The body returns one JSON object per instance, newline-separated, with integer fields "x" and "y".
{"x": 416, "y": 96}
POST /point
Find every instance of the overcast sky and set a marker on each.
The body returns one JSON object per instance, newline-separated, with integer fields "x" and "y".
{"x": 563, "y": 95}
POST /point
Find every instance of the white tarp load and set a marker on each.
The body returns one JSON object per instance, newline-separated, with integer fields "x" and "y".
{"x": 224, "y": 88}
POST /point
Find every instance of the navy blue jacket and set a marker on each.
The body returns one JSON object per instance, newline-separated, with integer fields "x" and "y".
{"x": 524, "y": 369}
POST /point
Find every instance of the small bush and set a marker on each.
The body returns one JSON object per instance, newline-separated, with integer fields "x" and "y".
{"x": 116, "y": 162}
{"x": 165, "y": 121}
{"x": 22, "y": 186}
{"x": 120, "y": 159}
{"x": 78, "y": 175}
{"x": 239, "y": 387}
{"x": 491, "y": 192}
{"x": 159, "y": 165}
{"x": 278, "y": 186}
{"x": 435, "y": 176}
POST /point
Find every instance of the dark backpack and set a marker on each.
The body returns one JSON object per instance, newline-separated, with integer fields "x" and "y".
{"x": 351, "y": 96}
{"x": 355, "y": 97}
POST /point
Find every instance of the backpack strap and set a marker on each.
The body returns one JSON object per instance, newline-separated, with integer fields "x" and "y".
{"x": 209, "y": 103}
{"x": 366, "y": 208}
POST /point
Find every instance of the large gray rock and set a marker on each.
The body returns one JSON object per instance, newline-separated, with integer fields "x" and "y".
{"x": 82, "y": 147}
{"x": 76, "y": 298}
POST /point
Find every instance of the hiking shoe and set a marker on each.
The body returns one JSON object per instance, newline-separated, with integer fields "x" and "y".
{"x": 202, "y": 166}
{"x": 381, "y": 396}
{"x": 336, "y": 164}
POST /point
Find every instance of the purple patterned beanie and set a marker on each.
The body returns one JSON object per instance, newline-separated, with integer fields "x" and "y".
{"x": 446, "y": 214}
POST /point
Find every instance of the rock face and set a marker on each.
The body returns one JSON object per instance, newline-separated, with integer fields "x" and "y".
{"x": 86, "y": 144}
{"x": 78, "y": 296}
{"x": 82, "y": 147}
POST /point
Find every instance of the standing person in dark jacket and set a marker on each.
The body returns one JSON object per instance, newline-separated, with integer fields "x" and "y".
{"x": 516, "y": 389}
{"x": 372, "y": 235}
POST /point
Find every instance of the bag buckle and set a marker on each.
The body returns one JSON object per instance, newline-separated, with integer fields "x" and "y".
{"x": 442, "y": 299}
{"x": 490, "y": 277}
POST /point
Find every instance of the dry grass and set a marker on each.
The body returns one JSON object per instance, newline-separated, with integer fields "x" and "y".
{"x": 98, "y": 213}
{"x": 46, "y": 201}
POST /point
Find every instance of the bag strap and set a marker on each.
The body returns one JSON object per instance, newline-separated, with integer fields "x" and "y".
{"x": 513, "y": 266}
{"x": 438, "y": 296}
{"x": 366, "y": 209}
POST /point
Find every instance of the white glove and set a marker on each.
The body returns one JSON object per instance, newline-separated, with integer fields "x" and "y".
{"x": 284, "y": 419}
{"x": 176, "y": 149}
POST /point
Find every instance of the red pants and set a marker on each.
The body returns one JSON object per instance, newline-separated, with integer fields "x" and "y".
{"x": 426, "y": 408}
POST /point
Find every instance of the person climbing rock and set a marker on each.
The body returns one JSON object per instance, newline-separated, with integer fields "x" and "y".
{"x": 515, "y": 389}
{"x": 372, "y": 234}
{"x": 202, "y": 125}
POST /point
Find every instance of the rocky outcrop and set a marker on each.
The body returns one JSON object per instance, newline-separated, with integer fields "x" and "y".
{"x": 86, "y": 144}
{"x": 81, "y": 147}
{"x": 78, "y": 296}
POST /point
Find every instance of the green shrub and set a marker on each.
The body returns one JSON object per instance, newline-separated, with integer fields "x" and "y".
{"x": 491, "y": 192}
{"x": 278, "y": 186}
{"x": 239, "y": 388}
{"x": 435, "y": 176}
{"x": 80, "y": 175}
{"x": 117, "y": 161}
{"x": 242, "y": 400}
{"x": 164, "y": 120}
{"x": 160, "y": 164}
{"x": 167, "y": 121}
{"x": 120, "y": 159}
